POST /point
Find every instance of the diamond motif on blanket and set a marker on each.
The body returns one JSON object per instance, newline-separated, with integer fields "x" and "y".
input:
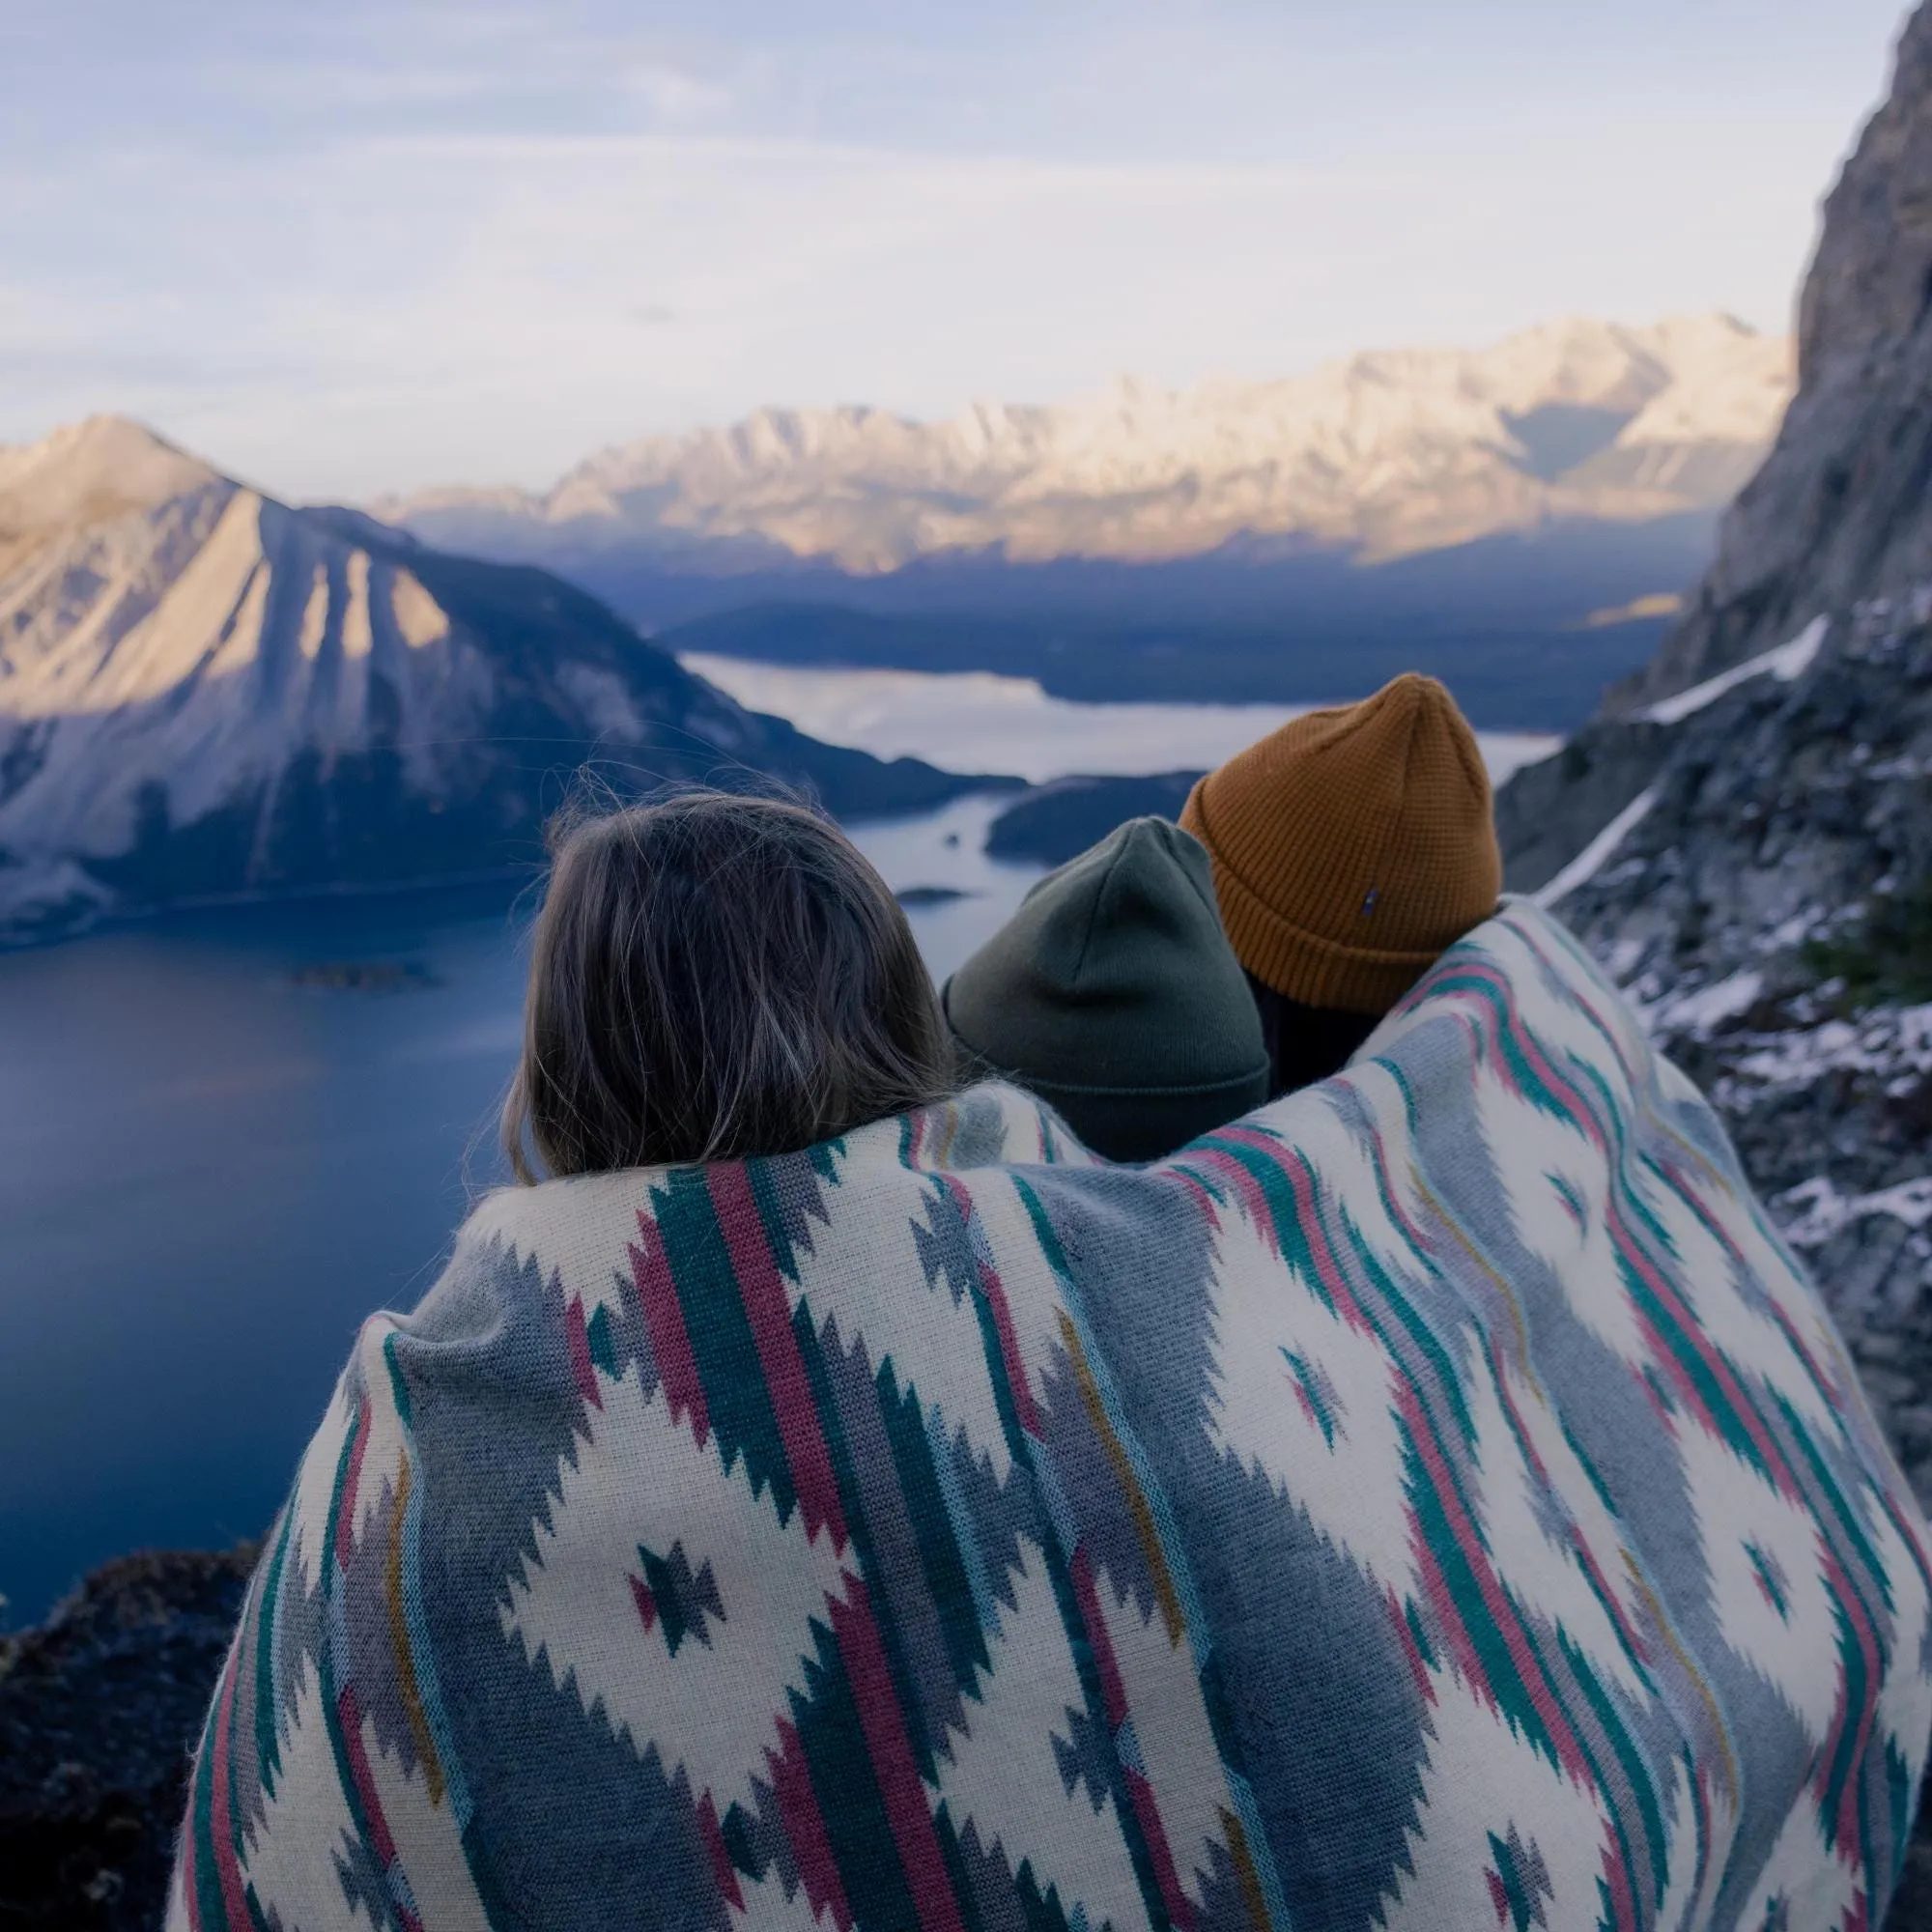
{"x": 650, "y": 1534}
{"x": 1015, "y": 1790}
{"x": 668, "y": 1594}
{"x": 1783, "y": 1618}
{"x": 1275, "y": 1355}
{"x": 1518, "y": 1882}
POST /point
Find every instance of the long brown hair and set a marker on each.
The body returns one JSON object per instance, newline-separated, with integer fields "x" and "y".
{"x": 714, "y": 975}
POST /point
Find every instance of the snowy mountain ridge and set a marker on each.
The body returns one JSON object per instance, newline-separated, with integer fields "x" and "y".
{"x": 1391, "y": 452}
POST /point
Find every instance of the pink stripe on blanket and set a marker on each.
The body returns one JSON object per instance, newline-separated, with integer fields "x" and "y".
{"x": 1845, "y": 1826}
{"x": 804, "y": 1828}
{"x": 351, "y": 1482}
{"x": 222, "y": 1822}
{"x": 582, "y": 1372}
{"x": 381, "y": 1841}
{"x": 1166, "y": 1876}
{"x": 900, "y": 1786}
{"x": 1497, "y": 1603}
{"x": 671, "y": 1342}
{"x": 997, "y": 1305}
{"x": 721, "y": 1860}
{"x": 761, "y": 1289}
{"x": 1114, "y": 1699}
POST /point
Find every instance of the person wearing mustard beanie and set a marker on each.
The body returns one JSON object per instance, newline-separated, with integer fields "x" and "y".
{"x": 1348, "y": 848}
{"x": 1113, "y": 994}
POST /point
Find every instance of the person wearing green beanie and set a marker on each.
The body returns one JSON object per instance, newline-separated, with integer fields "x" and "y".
{"x": 1114, "y": 995}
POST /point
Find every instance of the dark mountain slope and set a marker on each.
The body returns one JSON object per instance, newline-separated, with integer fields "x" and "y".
{"x": 1836, "y": 515}
{"x": 203, "y": 692}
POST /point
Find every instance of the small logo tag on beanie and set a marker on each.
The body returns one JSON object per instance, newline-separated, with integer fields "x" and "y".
{"x": 1369, "y": 903}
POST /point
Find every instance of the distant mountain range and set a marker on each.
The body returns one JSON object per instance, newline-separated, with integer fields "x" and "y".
{"x": 205, "y": 693}
{"x": 1382, "y": 454}
{"x": 1530, "y": 512}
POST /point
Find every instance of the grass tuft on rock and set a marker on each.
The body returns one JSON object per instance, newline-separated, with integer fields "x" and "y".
{"x": 1884, "y": 959}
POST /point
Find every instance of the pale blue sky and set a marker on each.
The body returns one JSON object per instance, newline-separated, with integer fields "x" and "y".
{"x": 352, "y": 247}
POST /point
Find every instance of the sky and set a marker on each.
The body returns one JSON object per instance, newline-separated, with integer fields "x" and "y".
{"x": 362, "y": 247}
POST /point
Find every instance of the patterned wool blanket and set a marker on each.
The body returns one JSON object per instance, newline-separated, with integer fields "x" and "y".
{"x": 1438, "y": 1502}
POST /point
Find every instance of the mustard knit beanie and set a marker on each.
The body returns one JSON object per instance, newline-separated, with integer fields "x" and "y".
{"x": 1351, "y": 846}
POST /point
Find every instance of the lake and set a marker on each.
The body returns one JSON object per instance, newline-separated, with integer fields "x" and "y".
{"x": 216, "y": 1160}
{"x": 981, "y": 721}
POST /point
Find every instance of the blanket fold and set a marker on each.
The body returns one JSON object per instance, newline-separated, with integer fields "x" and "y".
{"x": 1439, "y": 1500}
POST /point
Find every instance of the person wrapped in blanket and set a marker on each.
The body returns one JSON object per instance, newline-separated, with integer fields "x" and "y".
{"x": 823, "y": 1495}
{"x": 1327, "y": 867}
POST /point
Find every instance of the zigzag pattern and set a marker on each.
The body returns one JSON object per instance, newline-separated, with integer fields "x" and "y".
{"x": 1437, "y": 1501}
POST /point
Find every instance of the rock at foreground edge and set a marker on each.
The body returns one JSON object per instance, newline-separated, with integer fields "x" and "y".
{"x": 99, "y": 1712}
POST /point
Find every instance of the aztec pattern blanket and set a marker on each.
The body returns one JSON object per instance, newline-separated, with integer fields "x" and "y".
{"x": 1437, "y": 1501}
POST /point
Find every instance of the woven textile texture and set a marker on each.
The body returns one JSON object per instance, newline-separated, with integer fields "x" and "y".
{"x": 1437, "y": 1501}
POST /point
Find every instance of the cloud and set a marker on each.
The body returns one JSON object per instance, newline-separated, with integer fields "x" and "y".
{"x": 395, "y": 310}
{"x": 370, "y": 249}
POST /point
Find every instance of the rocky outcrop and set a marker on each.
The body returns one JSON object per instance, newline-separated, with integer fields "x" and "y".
{"x": 1745, "y": 836}
{"x": 98, "y": 1712}
{"x": 1759, "y": 884}
{"x": 1836, "y": 515}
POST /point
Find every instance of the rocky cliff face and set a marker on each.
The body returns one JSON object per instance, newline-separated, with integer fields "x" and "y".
{"x": 204, "y": 691}
{"x": 1836, "y": 518}
{"x": 1747, "y": 840}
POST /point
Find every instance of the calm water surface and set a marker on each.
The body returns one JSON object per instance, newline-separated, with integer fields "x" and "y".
{"x": 210, "y": 1172}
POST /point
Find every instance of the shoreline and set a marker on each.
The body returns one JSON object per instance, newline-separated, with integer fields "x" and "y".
{"x": 100, "y": 1707}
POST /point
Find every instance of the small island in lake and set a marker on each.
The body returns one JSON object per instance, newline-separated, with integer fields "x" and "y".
{"x": 364, "y": 976}
{"x": 915, "y": 896}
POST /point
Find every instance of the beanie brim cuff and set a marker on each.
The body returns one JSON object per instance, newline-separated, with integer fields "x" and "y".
{"x": 1128, "y": 1123}
{"x": 1303, "y": 966}
{"x": 1123, "y": 1124}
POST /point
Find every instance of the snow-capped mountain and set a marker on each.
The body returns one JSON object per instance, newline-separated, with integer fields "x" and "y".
{"x": 1387, "y": 452}
{"x": 204, "y": 691}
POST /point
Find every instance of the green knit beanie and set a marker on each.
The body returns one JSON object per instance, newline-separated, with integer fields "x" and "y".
{"x": 1114, "y": 995}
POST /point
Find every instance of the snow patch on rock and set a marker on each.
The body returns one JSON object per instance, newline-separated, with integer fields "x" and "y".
{"x": 1786, "y": 663}
{"x": 1700, "y": 1011}
{"x": 1893, "y": 1043}
{"x": 1590, "y": 861}
{"x": 1814, "y": 1211}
